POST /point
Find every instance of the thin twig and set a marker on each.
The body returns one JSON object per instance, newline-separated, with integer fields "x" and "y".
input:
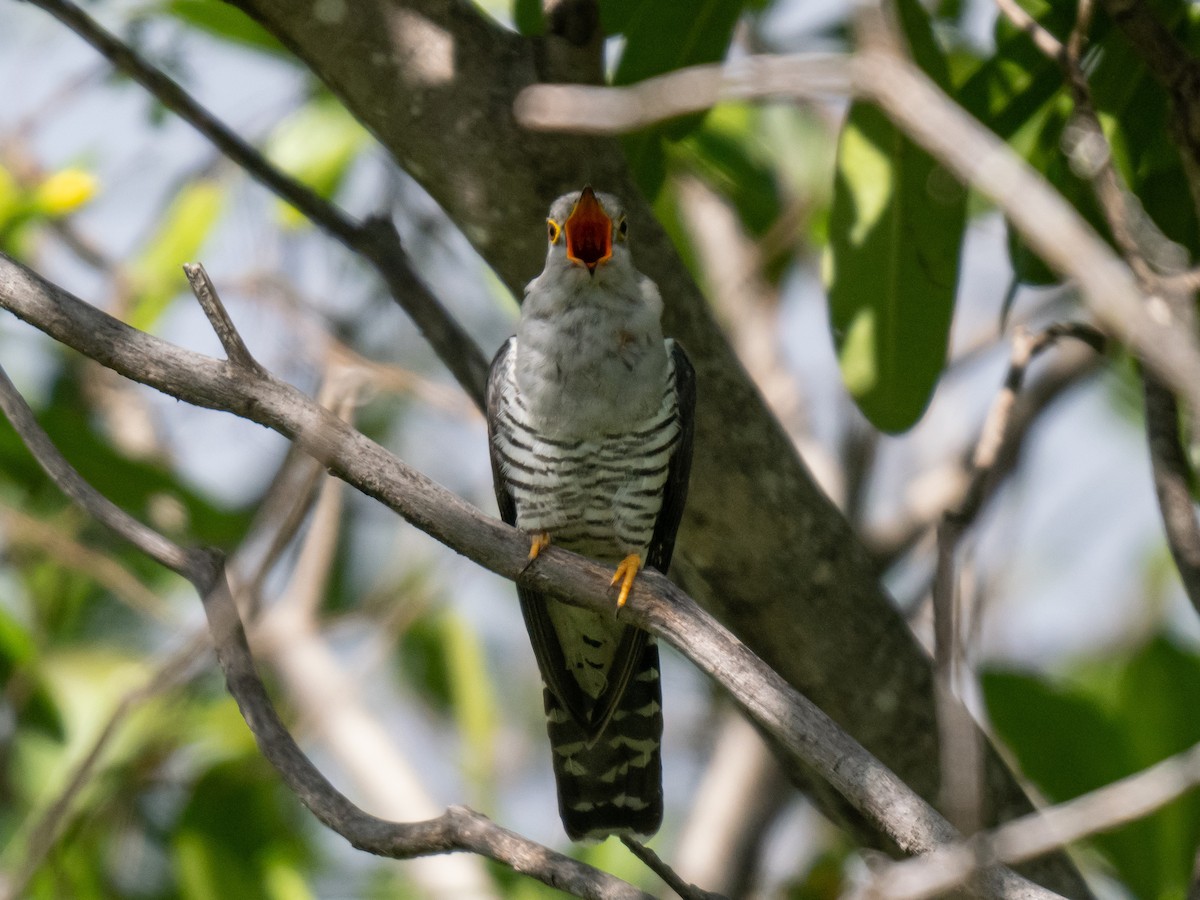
{"x": 946, "y": 487}
{"x": 734, "y": 808}
{"x": 655, "y": 863}
{"x": 1176, "y": 69}
{"x": 70, "y": 483}
{"x": 218, "y": 317}
{"x": 1047, "y": 222}
{"x": 1042, "y": 39}
{"x": 288, "y": 500}
{"x": 961, "y": 749}
{"x": 376, "y": 239}
{"x": 458, "y": 829}
{"x": 1026, "y": 347}
{"x": 327, "y": 699}
{"x": 1139, "y": 238}
{"x": 1127, "y": 800}
{"x": 1167, "y": 59}
{"x": 802, "y": 730}
{"x": 1078, "y": 35}
{"x": 1173, "y": 484}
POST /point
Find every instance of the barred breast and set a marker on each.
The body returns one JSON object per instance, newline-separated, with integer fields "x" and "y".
{"x": 599, "y": 496}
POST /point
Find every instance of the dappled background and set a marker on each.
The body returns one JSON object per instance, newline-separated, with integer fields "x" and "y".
{"x": 1086, "y": 645}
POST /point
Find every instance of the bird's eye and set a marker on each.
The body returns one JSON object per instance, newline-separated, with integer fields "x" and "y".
{"x": 553, "y": 230}
{"x": 622, "y": 229}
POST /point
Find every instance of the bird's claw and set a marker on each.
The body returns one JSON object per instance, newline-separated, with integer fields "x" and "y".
{"x": 626, "y": 572}
{"x": 540, "y": 542}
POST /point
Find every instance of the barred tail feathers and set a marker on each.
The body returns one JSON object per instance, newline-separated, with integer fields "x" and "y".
{"x": 613, "y": 786}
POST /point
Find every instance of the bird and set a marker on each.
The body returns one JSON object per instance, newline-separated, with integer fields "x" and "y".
{"x": 590, "y": 423}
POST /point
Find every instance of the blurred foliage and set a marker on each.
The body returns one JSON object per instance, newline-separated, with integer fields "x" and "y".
{"x": 661, "y": 36}
{"x": 891, "y": 265}
{"x": 442, "y": 656}
{"x": 227, "y": 22}
{"x": 24, "y": 207}
{"x": 824, "y": 878}
{"x": 1112, "y": 718}
{"x": 315, "y": 145}
{"x": 69, "y": 419}
{"x": 155, "y": 274}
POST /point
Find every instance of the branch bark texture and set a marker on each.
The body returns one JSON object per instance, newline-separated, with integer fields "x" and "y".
{"x": 761, "y": 546}
{"x": 807, "y": 734}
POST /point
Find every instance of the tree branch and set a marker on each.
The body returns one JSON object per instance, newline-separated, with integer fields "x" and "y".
{"x": 808, "y": 735}
{"x": 800, "y": 588}
{"x": 218, "y": 318}
{"x": 1045, "y": 220}
{"x": 1126, "y": 800}
{"x": 655, "y": 864}
{"x": 458, "y": 829}
{"x": 1042, "y": 39}
{"x": 326, "y": 699}
{"x": 961, "y": 743}
{"x": 1137, "y": 236}
{"x": 375, "y": 240}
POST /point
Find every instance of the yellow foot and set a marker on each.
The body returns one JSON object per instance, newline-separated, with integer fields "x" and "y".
{"x": 626, "y": 572}
{"x": 541, "y": 541}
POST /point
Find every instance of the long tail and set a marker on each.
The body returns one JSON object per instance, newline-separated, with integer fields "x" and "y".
{"x": 613, "y": 786}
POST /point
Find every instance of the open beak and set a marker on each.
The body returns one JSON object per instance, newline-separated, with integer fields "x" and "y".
{"x": 589, "y": 232}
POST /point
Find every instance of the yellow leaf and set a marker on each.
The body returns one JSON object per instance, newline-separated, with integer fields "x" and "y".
{"x": 65, "y": 191}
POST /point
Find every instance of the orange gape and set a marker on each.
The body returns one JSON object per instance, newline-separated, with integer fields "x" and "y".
{"x": 589, "y": 232}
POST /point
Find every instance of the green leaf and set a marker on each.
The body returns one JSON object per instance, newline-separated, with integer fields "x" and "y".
{"x": 824, "y": 877}
{"x": 16, "y": 646}
{"x": 528, "y": 17}
{"x": 1136, "y": 113}
{"x": 422, "y": 659}
{"x": 1067, "y": 745}
{"x": 666, "y": 211}
{"x": 661, "y": 36}
{"x": 728, "y": 153}
{"x": 1063, "y": 737}
{"x": 156, "y": 274}
{"x": 1018, "y": 79}
{"x": 1156, "y": 708}
{"x": 226, "y": 21}
{"x": 1111, "y": 721}
{"x": 722, "y": 153}
{"x": 35, "y": 706}
{"x": 40, "y": 713}
{"x": 615, "y": 15}
{"x": 316, "y": 145}
{"x": 1046, "y": 155}
{"x": 234, "y": 831}
{"x": 473, "y": 702}
{"x": 131, "y": 484}
{"x": 13, "y": 200}
{"x": 891, "y": 266}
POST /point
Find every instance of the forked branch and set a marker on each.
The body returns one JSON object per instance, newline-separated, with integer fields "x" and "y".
{"x": 655, "y": 603}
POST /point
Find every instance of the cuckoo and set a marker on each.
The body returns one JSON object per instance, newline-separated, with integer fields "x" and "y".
{"x": 589, "y": 415}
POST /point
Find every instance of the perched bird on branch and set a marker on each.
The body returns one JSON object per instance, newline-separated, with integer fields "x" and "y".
{"x": 590, "y": 417}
